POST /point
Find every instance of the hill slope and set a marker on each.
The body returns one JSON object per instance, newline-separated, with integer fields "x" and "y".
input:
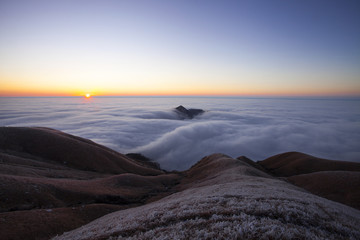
{"x": 295, "y": 163}
{"x": 49, "y": 146}
{"x": 52, "y": 182}
{"x": 335, "y": 180}
{"x": 229, "y": 199}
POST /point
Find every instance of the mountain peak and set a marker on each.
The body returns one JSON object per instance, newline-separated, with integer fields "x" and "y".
{"x": 188, "y": 113}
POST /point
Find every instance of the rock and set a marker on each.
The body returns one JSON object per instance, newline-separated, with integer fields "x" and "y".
{"x": 188, "y": 113}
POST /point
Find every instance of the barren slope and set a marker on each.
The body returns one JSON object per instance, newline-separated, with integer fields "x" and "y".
{"x": 295, "y": 163}
{"x": 335, "y": 180}
{"x": 228, "y": 199}
{"x": 49, "y": 146}
{"x": 339, "y": 186}
{"x": 51, "y": 182}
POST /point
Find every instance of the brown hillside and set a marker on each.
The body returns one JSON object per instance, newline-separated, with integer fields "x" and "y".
{"x": 215, "y": 165}
{"x": 26, "y": 193}
{"x": 295, "y": 163}
{"x": 51, "y": 182}
{"x": 42, "y": 224}
{"x": 224, "y": 198}
{"x": 339, "y": 186}
{"x": 55, "y": 147}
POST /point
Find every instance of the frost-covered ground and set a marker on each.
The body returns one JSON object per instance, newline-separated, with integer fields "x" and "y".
{"x": 224, "y": 198}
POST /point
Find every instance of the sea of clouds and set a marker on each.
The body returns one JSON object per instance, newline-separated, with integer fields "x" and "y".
{"x": 255, "y": 127}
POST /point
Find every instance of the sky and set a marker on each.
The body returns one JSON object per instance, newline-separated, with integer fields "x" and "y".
{"x": 282, "y": 48}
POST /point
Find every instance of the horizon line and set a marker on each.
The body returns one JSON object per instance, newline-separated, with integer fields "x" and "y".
{"x": 191, "y": 95}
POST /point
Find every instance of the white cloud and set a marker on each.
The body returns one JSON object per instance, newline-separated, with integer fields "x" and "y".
{"x": 256, "y": 128}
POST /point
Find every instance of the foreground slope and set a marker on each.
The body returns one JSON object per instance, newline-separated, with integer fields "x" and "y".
{"x": 225, "y": 198}
{"x": 51, "y": 182}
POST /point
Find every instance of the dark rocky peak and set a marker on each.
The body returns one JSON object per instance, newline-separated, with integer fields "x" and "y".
{"x": 188, "y": 113}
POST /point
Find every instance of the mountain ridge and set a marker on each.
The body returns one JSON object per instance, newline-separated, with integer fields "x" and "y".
{"x": 41, "y": 192}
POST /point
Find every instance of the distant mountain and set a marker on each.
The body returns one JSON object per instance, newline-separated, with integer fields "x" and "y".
{"x": 52, "y": 182}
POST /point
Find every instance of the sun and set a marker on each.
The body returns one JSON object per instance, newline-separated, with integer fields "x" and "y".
{"x": 87, "y": 95}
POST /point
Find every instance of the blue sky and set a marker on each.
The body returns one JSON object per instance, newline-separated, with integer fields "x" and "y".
{"x": 180, "y": 47}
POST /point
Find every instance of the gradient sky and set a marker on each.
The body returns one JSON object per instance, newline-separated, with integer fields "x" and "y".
{"x": 179, "y": 47}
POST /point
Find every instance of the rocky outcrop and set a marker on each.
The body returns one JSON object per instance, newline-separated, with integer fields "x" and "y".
{"x": 188, "y": 113}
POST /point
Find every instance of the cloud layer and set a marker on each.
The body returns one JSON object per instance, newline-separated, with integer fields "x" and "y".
{"x": 256, "y": 128}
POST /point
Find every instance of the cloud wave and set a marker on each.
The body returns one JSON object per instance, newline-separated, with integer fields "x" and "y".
{"x": 256, "y": 128}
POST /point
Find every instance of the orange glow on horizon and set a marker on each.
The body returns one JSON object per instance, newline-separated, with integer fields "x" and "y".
{"x": 170, "y": 93}
{"x": 9, "y": 89}
{"x": 21, "y": 85}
